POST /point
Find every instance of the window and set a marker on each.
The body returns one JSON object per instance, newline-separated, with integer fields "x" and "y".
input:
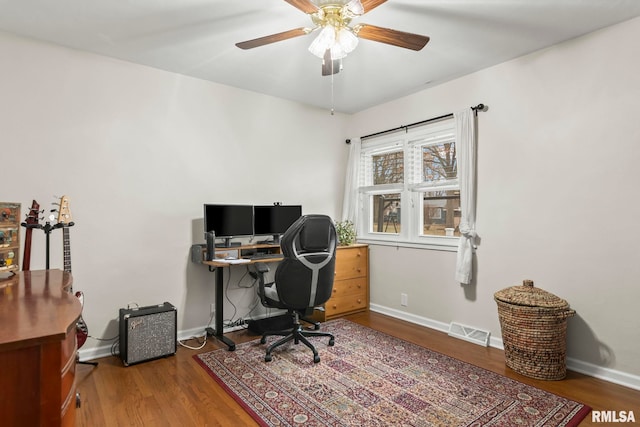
{"x": 409, "y": 187}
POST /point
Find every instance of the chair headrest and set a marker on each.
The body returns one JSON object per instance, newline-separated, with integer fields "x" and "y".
{"x": 310, "y": 233}
{"x": 314, "y": 236}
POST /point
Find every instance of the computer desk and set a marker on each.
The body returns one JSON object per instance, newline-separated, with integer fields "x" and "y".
{"x": 218, "y": 267}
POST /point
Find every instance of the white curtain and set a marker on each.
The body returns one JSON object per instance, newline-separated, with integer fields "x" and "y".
{"x": 350, "y": 202}
{"x": 466, "y": 152}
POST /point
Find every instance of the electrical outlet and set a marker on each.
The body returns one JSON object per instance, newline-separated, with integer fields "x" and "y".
{"x": 404, "y": 300}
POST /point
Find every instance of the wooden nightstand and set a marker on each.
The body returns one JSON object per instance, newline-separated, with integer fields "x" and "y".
{"x": 351, "y": 283}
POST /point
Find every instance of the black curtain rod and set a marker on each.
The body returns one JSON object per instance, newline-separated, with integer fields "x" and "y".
{"x": 479, "y": 107}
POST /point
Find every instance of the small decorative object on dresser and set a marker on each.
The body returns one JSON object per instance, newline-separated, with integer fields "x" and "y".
{"x": 350, "y": 292}
{"x": 346, "y": 233}
{"x": 9, "y": 238}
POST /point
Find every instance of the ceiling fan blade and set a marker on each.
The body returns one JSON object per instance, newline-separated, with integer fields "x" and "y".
{"x": 370, "y": 4}
{"x": 304, "y": 5}
{"x": 392, "y": 37}
{"x": 261, "y": 41}
{"x": 329, "y": 66}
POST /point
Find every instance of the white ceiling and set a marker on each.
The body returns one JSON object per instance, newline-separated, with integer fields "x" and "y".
{"x": 197, "y": 38}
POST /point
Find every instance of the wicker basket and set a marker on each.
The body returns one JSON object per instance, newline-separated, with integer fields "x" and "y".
{"x": 534, "y": 330}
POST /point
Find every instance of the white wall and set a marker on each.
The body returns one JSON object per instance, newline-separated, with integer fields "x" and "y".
{"x": 138, "y": 151}
{"x": 557, "y": 184}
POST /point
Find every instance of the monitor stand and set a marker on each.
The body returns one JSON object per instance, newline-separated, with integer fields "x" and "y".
{"x": 274, "y": 241}
{"x": 227, "y": 243}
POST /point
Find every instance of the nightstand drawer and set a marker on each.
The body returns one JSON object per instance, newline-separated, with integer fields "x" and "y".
{"x": 344, "y": 304}
{"x": 69, "y": 347}
{"x": 351, "y": 262}
{"x": 349, "y": 287}
{"x": 68, "y": 389}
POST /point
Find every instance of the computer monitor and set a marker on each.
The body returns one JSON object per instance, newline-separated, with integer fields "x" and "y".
{"x": 228, "y": 221}
{"x": 274, "y": 220}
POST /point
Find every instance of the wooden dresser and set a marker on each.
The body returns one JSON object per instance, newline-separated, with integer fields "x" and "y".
{"x": 351, "y": 283}
{"x": 38, "y": 349}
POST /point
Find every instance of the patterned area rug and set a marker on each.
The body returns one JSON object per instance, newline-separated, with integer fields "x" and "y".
{"x": 369, "y": 378}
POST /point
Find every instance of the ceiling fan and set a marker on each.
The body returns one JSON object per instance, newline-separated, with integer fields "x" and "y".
{"x": 337, "y": 38}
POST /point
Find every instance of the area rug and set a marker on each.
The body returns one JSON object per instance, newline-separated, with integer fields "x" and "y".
{"x": 369, "y": 378}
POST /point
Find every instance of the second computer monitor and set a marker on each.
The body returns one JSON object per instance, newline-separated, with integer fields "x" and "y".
{"x": 274, "y": 220}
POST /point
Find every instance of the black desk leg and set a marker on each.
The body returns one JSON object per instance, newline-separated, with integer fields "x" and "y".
{"x": 219, "y": 331}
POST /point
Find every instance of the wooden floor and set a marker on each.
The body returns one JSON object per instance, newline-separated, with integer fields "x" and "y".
{"x": 177, "y": 391}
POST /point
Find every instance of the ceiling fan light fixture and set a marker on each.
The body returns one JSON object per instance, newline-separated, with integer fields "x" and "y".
{"x": 340, "y": 43}
{"x": 325, "y": 40}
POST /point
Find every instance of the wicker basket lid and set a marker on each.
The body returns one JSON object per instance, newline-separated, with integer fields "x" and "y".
{"x": 528, "y": 295}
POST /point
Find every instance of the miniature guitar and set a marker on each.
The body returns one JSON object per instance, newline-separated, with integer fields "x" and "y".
{"x": 64, "y": 221}
{"x": 30, "y": 223}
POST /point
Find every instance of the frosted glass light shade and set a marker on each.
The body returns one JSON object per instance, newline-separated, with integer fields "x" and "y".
{"x": 337, "y": 52}
{"x": 325, "y": 40}
{"x": 347, "y": 40}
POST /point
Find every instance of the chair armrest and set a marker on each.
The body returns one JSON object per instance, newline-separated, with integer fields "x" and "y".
{"x": 261, "y": 269}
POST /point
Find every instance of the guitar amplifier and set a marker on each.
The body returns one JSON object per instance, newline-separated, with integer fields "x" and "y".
{"x": 147, "y": 333}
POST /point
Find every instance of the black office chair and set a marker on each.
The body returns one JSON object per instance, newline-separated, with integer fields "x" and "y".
{"x": 303, "y": 279}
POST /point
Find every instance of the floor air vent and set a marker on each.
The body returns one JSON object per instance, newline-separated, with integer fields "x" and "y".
{"x": 468, "y": 333}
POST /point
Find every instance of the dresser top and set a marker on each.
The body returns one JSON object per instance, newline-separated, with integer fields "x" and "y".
{"x": 35, "y": 306}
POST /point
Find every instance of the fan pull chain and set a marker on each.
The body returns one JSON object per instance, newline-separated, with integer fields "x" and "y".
{"x": 332, "y": 99}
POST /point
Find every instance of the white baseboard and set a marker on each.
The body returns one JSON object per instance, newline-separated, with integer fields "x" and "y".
{"x": 94, "y": 353}
{"x": 402, "y": 315}
{"x": 611, "y": 375}
{"x": 607, "y": 374}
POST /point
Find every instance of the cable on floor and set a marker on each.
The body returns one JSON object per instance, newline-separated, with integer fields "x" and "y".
{"x": 197, "y": 338}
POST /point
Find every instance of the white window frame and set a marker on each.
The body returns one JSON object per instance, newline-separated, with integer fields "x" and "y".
{"x": 411, "y": 190}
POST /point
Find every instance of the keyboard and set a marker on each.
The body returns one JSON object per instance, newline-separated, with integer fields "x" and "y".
{"x": 256, "y": 257}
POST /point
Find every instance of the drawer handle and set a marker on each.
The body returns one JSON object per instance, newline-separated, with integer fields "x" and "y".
{"x": 334, "y": 291}
{"x": 359, "y": 300}
{"x": 335, "y": 306}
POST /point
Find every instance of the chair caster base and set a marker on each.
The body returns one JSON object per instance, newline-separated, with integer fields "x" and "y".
{"x": 296, "y": 336}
